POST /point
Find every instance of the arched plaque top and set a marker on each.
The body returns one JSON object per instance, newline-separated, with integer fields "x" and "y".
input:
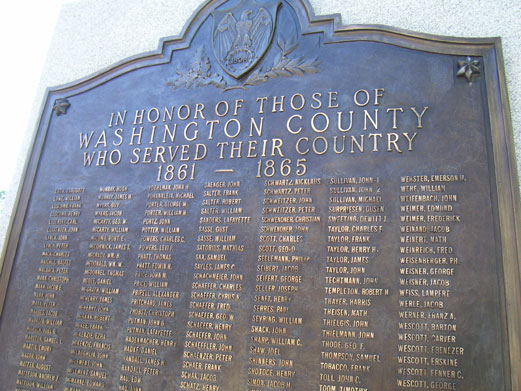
{"x": 237, "y": 62}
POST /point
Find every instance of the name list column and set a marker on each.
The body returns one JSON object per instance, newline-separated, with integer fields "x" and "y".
{"x": 429, "y": 356}
{"x": 276, "y": 323}
{"x": 356, "y": 220}
{"x": 150, "y": 331}
{"x": 45, "y": 324}
{"x": 94, "y": 331}
{"x": 217, "y": 288}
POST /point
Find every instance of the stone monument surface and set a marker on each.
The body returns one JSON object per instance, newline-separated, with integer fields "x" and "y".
{"x": 271, "y": 201}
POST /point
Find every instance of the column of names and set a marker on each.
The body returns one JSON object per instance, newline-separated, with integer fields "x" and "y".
{"x": 356, "y": 219}
{"x": 92, "y": 343}
{"x": 217, "y": 287}
{"x": 429, "y": 355}
{"x": 150, "y": 333}
{"x": 46, "y": 322}
{"x": 288, "y": 211}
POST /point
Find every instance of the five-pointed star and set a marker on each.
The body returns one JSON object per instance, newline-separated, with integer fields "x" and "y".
{"x": 468, "y": 68}
{"x": 61, "y": 106}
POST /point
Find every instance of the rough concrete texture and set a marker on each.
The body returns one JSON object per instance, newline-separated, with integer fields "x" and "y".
{"x": 93, "y": 34}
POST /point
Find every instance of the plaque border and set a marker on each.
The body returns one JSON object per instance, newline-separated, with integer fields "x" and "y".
{"x": 504, "y": 181}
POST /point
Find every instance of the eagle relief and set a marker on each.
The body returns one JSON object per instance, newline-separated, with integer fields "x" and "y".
{"x": 241, "y": 36}
{"x": 239, "y": 44}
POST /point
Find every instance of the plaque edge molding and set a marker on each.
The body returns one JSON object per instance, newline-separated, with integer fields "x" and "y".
{"x": 507, "y": 191}
{"x": 332, "y": 26}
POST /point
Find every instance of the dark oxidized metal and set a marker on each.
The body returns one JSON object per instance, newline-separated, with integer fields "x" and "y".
{"x": 270, "y": 202}
{"x": 468, "y": 68}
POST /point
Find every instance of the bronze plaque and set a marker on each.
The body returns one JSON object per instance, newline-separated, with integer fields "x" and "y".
{"x": 270, "y": 202}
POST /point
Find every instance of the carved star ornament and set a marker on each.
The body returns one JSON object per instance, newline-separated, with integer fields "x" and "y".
{"x": 468, "y": 68}
{"x": 61, "y": 106}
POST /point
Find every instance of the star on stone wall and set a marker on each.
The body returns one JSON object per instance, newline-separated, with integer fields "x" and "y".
{"x": 468, "y": 68}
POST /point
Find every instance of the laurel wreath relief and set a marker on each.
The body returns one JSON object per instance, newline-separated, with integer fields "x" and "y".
{"x": 200, "y": 74}
{"x": 283, "y": 66}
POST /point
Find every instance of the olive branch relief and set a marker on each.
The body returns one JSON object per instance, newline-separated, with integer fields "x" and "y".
{"x": 200, "y": 75}
{"x": 283, "y": 66}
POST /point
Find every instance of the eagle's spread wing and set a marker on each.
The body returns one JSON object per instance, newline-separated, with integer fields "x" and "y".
{"x": 225, "y": 35}
{"x": 261, "y": 30}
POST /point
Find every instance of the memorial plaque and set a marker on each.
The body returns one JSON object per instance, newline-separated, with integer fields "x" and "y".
{"x": 272, "y": 201}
